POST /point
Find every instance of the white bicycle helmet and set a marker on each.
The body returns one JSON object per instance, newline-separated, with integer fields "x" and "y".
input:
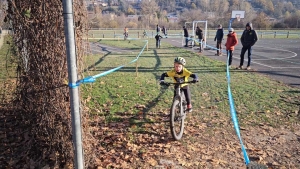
{"x": 230, "y": 30}
{"x": 180, "y": 60}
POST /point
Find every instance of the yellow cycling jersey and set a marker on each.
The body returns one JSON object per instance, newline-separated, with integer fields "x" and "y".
{"x": 180, "y": 77}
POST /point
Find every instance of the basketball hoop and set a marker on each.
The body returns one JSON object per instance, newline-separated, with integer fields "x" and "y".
{"x": 238, "y": 17}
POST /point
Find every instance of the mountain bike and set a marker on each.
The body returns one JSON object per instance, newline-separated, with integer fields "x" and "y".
{"x": 178, "y": 110}
{"x": 125, "y": 35}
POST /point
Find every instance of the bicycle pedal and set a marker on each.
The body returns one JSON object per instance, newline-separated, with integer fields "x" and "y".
{"x": 188, "y": 110}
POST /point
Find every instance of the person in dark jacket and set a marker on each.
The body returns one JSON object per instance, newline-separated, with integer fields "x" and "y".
{"x": 157, "y": 29}
{"x": 186, "y": 35}
{"x": 219, "y": 37}
{"x": 164, "y": 31}
{"x": 158, "y": 38}
{"x": 199, "y": 32}
{"x": 248, "y": 39}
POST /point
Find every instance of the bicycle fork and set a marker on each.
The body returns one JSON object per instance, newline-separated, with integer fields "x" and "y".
{"x": 182, "y": 105}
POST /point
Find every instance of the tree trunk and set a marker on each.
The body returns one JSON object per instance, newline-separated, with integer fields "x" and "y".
{"x": 43, "y": 94}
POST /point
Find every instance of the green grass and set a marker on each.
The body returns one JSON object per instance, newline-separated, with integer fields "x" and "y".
{"x": 257, "y": 98}
{"x": 7, "y": 71}
{"x": 6, "y": 59}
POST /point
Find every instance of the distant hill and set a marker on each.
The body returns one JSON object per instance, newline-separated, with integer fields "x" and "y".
{"x": 272, "y": 12}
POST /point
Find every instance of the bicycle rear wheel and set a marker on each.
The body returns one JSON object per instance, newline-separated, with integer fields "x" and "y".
{"x": 176, "y": 120}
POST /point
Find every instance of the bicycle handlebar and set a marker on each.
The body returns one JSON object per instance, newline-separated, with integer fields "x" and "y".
{"x": 170, "y": 83}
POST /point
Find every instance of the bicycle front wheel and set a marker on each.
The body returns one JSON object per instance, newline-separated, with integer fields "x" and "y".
{"x": 176, "y": 120}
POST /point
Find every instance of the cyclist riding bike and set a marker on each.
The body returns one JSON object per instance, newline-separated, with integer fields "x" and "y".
{"x": 180, "y": 74}
{"x": 126, "y": 31}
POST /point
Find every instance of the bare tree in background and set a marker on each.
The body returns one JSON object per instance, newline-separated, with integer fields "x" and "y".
{"x": 205, "y": 5}
{"x": 191, "y": 15}
{"x": 95, "y": 17}
{"x": 260, "y": 22}
{"x": 149, "y": 10}
{"x": 3, "y": 6}
{"x": 221, "y": 8}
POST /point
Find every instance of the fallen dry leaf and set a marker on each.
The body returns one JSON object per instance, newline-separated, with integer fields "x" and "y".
{"x": 152, "y": 162}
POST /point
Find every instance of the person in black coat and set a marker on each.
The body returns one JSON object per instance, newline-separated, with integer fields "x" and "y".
{"x": 199, "y": 33}
{"x": 164, "y": 31}
{"x": 186, "y": 35}
{"x": 248, "y": 39}
{"x": 158, "y": 38}
{"x": 219, "y": 37}
{"x": 157, "y": 29}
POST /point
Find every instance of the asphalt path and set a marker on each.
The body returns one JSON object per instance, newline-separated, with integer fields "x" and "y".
{"x": 277, "y": 58}
{"x": 96, "y": 48}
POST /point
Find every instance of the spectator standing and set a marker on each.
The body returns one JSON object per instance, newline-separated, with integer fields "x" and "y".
{"x": 158, "y": 38}
{"x": 157, "y": 29}
{"x": 248, "y": 39}
{"x": 219, "y": 37}
{"x": 145, "y": 34}
{"x": 186, "y": 35}
{"x": 164, "y": 31}
{"x": 199, "y": 33}
{"x": 232, "y": 41}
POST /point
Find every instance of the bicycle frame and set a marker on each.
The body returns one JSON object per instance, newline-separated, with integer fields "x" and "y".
{"x": 177, "y": 116}
{"x": 179, "y": 95}
{"x": 125, "y": 35}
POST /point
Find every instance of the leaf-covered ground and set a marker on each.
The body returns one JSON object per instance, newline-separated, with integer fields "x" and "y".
{"x": 210, "y": 142}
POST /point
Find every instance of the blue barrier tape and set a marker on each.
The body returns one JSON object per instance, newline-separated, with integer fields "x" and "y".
{"x": 212, "y": 47}
{"x": 133, "y": 61}
{"x": 139, "y": 54}
{"x": 89, "y": 79}
{"x": 233, "y": 114}
{"x": 223, "y": 51}
{"x": 108, "y": 72}
{"x": 232, "y": 107}
{"x": 92, "y": 79}
{"x": 73, "y": 85}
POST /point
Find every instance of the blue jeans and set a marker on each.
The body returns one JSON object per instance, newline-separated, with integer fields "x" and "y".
{"x": 244, "y": 49}
{"x": 186, "y": 41}
{"x": 200, "y": 45}
{"x": 158, "y": 43}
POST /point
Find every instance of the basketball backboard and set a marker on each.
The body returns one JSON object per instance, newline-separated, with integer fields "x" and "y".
{"x": 238, "y": 14}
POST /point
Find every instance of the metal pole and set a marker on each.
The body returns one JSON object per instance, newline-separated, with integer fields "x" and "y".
{"x": 193, "y": 34}
{"x": 206, "y": 36}
{"x": 136, "y": 68}
{"x": 73, "y": 88}
{"x": 230, "y": 22}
